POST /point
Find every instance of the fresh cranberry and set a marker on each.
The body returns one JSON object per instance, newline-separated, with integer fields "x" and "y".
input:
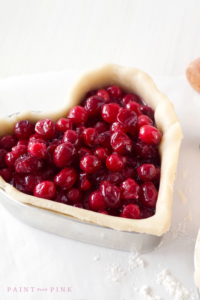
{"x": 121, "y": 143}
{"x": 65, "y": 178}
{"x": 82, "y": 151}
{"x": 19, "y": 150}
{"x": 64, "y": 124}
{"x": 156, "y": 179}
{"x": 150, "y": 135}
{"x": 23, "y": 129}
{"x": 104, "y": 94}
{"x": 90, "y": 164}
{"x": 130, "y": 211}
{"x": 115, "y": 178}
{"x": 101, "y": 127}
{"x": 96, "y": 201}
{"x": 6, "y": 174}
{"x": 110, "y": 193}
{"x": 99, "y": 176}
{"x": 128, "y": 172}
{"x": 144, "y": 150}
{"x": 45, "y": 189}
{"x": 36, "y": 138}
{"x": 143, "y": 120}
{"x": 147, "y": 172}
{"x": 18, "y": 183}
{"x": 38, "y": 150}
{"x": 128, "y": 119}
{"x": 130, "y": 189}
{"x": 145, "y": 213}
{"x": 101, "y": 153}
{"x": 102, "y": 211}
{"x": 130, "y": 98}
{"x": 134, "y": 107}
{"x": 10, "y": 159}
{"x": 7, "y": 142}
{"x": 115, "y": 91}
{"x": 93, "y": 106}
{"x": 78, "y": 115}
{"x": 90, "y": 137}
{"x": 31, "y": 181}
{"x": 116, "y": 126}
{"x": 74, "y": 195}
{"x": 72, "y": 137}
{"x": 114, "y": 163}
{"x": 61, "y": 197}
{"x": 148, "y": 111}
{"x": 22, "y": 143}
{"x": 84, "y": 184}
{"x": 45, "y": 129}
{"x": 80, "y": 129}
{"x": 64, "y": 155}
{"x": 104, "y": 139}
{"x": 109, "y": 112}
{"x": 149, "y": 195}
{"x": 28, "y": 165}
{"x": 3, "y": 153}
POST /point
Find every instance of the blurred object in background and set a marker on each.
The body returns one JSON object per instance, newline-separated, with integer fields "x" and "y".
{"x": 193, "y": 74}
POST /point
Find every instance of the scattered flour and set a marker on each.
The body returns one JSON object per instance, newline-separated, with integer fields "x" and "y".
{"x": 145, "y": 293}
{"x": 114, "y": 273}
{"x": 174, "y": 287}
{"x": 135, "y": 261}
{"x": 182, "y": 196}
{"x": 96, "y": 257}
{"x": 180, "y": 233}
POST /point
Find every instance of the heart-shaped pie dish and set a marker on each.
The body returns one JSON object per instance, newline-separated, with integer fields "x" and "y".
{"x": 106, "y": 146}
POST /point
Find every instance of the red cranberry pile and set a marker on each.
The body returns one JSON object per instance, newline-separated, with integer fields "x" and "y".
{"x": 103, "y": 157}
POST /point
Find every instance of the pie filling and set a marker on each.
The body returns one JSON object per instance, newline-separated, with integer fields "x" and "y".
{"x": 103, "y": 157}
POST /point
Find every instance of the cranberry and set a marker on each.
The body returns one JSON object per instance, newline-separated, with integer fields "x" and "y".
{"x": 65, "y": 178}
{"x": 90, "y": 164}
{"x": 148, "y": 111}
{"x": 116, "y": 126}
{"x": 90, "y": 137}
{"x": 104, "y": 94}
{"x": 22, "y": 143}
{"x": 115, "y": 178}
{"x": 64, "y": 155}
{"x": 128, "y": 172}
{"x": 114, "y": 163}
{"x": 133, "y": 162}
{"x": 109, "y": 112}
{"x": 104, "y": 139}
{"x": 31, "y": 181}
{"x": 50, "y": 152}
{"x": 110, "y": 193}
{"x": 18, "y": 183}
{"x": 64, "y": 124}
{"x": 6, "y": 174}
{"x": 101, "y": 127}
{"x": 7, "y": 142}
{"x": 93, "y": 106}
{"x": 134, "y": 107}
{"x": 143, "y": 120}
{"x": 23, "y": 129}
{"x": 3, "y": 153}
{"x": 38, "y": 150}
{"x": 147, "y": 172}
{"x": 144, "y": 150}
{"x": 72, "y": 137}
{"x": 74, "y": 195}
{"x": 101, "y": 153}
{"x": 128, "y": 119}
{"x": 130, "y": 189}
{"x": 96, "y": 201}
{"x": 61, "y": 198}
{"x": 84, "y": 184}
{"x": 121, "y": 143}
{"x": 28, "y": 164}
{"x": 58, "y": 136}
{"x": 149, "y": 195}
{"x": 150, "y": 135}
{"x": 36, "y": 138}
{"x": 19, "y": 150}
{"x": 45, "y": 129}
{"x": 130, "y": 98}
{"x": 45, "y": 189}
{"x": 145, "y": 213}
{"x": 10, "y": 159}
{"x": 115, "y": 91}
{"x": 80, "y": 129}
{"x": 102, "y": 211}
{"x": 82, "y": 151}
{"x": 130, "y": 211}
{"x": 156, "y": 179}
{"x": 99, "y": 176}
{"x": 78, "y": 115}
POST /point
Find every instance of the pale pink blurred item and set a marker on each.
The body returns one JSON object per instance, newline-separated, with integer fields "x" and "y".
{"x": 193, "y": 74}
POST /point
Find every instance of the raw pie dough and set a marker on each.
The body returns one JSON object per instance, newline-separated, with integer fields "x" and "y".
{"x": 140, "y": 83}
